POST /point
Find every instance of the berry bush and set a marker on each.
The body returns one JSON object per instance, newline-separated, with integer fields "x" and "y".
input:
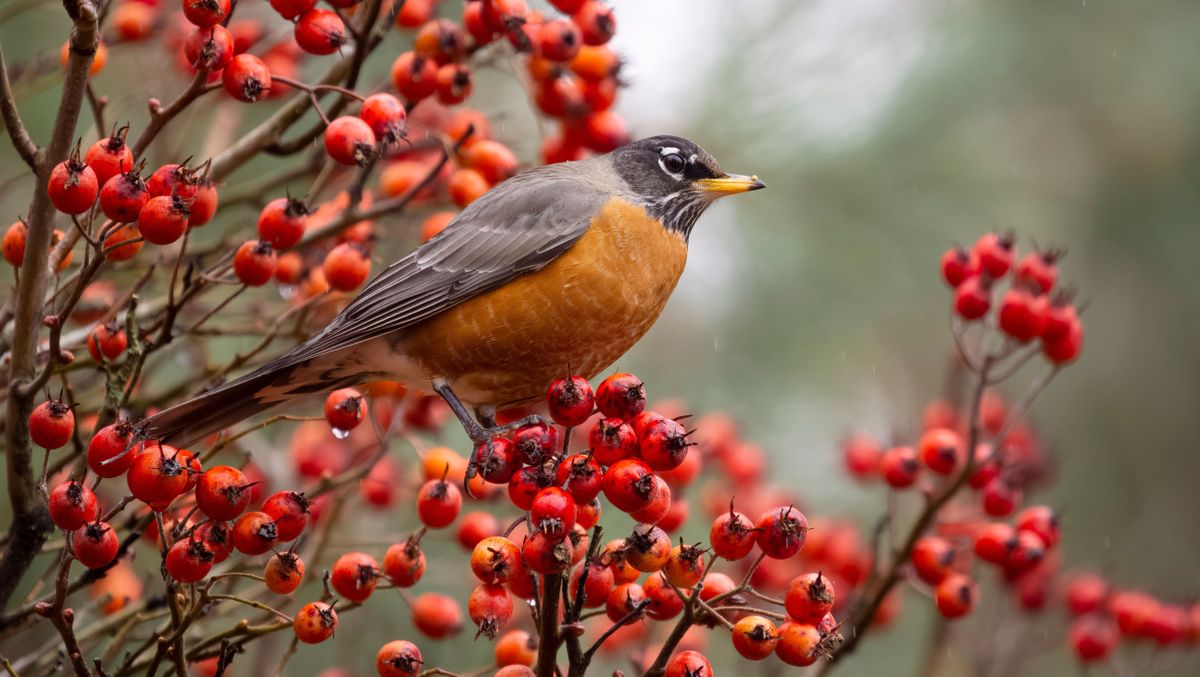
{"x": 639, "y": 537}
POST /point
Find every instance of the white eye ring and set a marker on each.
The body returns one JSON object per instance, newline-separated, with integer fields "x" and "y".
{"x": 662, "y": 163}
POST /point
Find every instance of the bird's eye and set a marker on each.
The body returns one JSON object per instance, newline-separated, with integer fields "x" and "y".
{"x": 673, "y": 163}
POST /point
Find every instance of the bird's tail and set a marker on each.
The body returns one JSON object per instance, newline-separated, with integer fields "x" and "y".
{"x": 238, "y": 400}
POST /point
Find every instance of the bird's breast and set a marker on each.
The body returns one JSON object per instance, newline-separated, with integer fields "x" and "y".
{"x": 581, "y": 312}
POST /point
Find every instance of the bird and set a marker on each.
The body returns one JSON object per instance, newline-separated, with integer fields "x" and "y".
{"x": 563, "y": 266}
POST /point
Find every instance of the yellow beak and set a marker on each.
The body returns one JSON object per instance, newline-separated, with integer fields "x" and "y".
{"x": 729, "y": 184}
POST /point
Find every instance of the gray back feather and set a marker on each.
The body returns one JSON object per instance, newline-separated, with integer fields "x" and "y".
{"x": 516, "y": 228}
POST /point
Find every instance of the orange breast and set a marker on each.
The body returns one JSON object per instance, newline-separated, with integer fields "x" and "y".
{"x": 581, "y": 312}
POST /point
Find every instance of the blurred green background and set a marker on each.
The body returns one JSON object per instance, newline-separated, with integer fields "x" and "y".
{"x": 887, "y": 131}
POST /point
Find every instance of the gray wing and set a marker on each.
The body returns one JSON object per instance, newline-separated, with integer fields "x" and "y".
{"x": 516, "y": 228}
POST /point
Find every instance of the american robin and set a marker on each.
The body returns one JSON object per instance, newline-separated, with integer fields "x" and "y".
{"x": 563, "y": 265}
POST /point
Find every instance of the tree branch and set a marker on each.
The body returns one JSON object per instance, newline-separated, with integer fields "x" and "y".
{"x": 31, "y": 521}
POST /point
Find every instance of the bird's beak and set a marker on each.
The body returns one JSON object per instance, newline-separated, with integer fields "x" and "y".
{"x": 729, "y": 185}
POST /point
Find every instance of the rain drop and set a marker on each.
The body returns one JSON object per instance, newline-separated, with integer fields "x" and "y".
{"x": 341, "y": 434}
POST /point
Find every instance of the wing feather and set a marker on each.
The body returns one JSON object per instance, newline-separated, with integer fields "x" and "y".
{"x": 516, "y": 228}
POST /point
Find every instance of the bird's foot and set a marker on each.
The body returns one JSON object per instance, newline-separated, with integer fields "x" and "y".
{"x": 482, "y": 431}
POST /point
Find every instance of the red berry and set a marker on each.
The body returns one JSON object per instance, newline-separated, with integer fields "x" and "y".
{"x": 107, "y": 451}
{"x": 254, "y": 533}
{"x": 349, "y": 141}
{"x": 414, "y": 76}
{"x": 73, "y": 186}
{"x": 123, "y": 244}
{"x": 1028, "y": 553}
{"x": 955, "y": 596}
{"x": 123, "y": 196}
{"x": 798, "y": 644}
{"x": 627, "y": 485}
{"x": 932, "y": 559}
{"x": 624, "y": 599}
{"x": 754, "y": 637}
{"x": 559, "y": 40}
{"x": 973, "y": 298}
{"x": 398, "y": 658}
{"x": 1093, "y": 637}
{"x": 663, "y": 445}
{"x": 996, "y": 542}
{"x": 282, "y": 222}
{"x": 621, "y": 396}
{"x": 355, "y": 575}
{"x": 109, "y": 156}
{"x": 209, "y": 48}
{"x": 404, "y": 563}
{"x": 72, "y": 505}
{"x": 995, "y": 253}
{"x": 206, "y": 13}
{"x": 496, "y": 462}
{"x": 1022, "y": 315}
{"x": 809, "y": 598}
{"x": 570, "y": 401}
{"x": 490, "y": 608}
{"x": 157, "y": 475}
{"x": 583, "y": 477}
{"x": 315, "y": 622}
{"x": 246, "y": 78}
{"x": 941, "y": 450}
{"x": 1000, "y": 498}
{"x": 345, "y": 409}
{"x": 284, "y": 573}
{"x": 1066, "y": 347}
{"x": 51, "y": 424}
{"x": 217, "y": 537}
{"x": 437, "y": 616}
{"x": 385, "y": 115}
{"x": 596, "y": 21}
{"x": 647, "y": 548}
{"x": 685, "y": 565}
{"x": 861, "y": 455}
{"x": 1086, "y": 593}
{"x": 346, "y": 266}
{"x": 553, "y": 512}
{"x": 320, "y": 31}
{"x": 958, "y": 265}
{"x": 659, "y": 504}
{"x": 732, "y": 535}
{"x": 290, "y": 512}
{"x": 526, "y": 483}
{"x": 535, "y": 443}
{"x": 495, "y": 559}
{"x": 545, "y": 555}
{"x": 454, "y": 83}
{"x": 688, "y": 664}
{"x": 254, "y": 263}
{"x": 163, "y": 219}
{"x": 222, "y": 493}
{"x": 899, "y": 467}
{"x": 1039, "y": 269}
{"x": 95, "y": 545}
{"x": 1041, "y": 520}
{"x": 188, "y": 560}
{"x": 14, "y": 243}
{"x": 438, "y": 503}
{"x": 782, "y": 532}
{"x": 290, "y": 9}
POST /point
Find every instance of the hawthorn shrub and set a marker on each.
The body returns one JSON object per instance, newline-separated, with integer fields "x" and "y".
{"x": 130, "y": 556}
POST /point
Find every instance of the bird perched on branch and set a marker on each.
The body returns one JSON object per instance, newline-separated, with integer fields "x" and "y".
{"x": 567, "y": 264}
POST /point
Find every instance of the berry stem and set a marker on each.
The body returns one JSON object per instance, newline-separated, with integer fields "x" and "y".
{"x": 548, "y": 641}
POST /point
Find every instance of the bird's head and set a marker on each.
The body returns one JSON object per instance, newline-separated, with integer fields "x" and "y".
{"x": 675, "y": 179}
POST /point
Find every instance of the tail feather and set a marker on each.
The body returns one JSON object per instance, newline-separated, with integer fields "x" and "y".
{"x": 221, "y": 407}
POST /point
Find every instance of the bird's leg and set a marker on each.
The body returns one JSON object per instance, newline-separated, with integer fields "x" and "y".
{"x": 478, "y": 433}
{"x": 482, "y": 427}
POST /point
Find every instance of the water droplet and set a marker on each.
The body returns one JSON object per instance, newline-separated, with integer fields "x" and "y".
{"x": 341, "y": 434}
{"x": 287, "y": 291}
